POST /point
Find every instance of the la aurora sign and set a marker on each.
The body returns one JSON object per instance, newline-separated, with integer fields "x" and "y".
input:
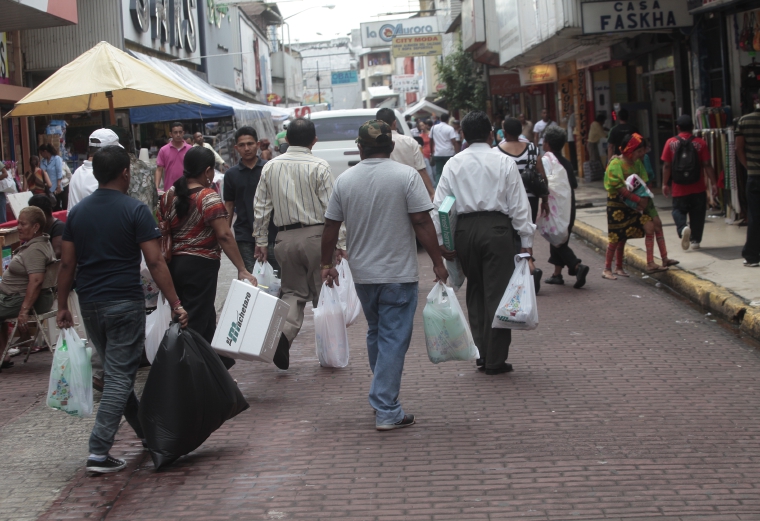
{"x": 638, "y": 15}
{"x": 171, "y": 23}
{"x": 381, "y": 34}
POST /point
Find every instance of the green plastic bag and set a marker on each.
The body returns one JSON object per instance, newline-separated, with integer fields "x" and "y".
{"x": 70, "y": 387}
{"x": 447, "y": 334}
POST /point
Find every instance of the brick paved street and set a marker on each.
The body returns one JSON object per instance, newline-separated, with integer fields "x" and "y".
{"x": 625, "y": 403}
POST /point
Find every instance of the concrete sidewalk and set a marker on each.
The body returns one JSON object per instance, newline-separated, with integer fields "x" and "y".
{"x": 713, "y": 276}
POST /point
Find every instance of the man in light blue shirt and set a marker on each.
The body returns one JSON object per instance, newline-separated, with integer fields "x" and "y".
{"x": 52, "y": 164}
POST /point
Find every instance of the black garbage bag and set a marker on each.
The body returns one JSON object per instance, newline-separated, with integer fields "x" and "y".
{"x": 188, "y": 395}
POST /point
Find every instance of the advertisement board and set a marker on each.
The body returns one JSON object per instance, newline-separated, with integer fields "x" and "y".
{"x": 410, "y": 46}
{"x": 617, "y": 16}
{"x": 4, "y": 71}
{"x": 405, "y": 83}
{"x": 381, "y": 34}
{"x": 343, "y": 77}
{"x": 168, "y": 26}
{"x": 538, "y": 74}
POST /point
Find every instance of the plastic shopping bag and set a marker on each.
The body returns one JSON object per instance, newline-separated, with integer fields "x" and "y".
{"x": 150, "y": 289}
{"x": 266, "y": 278}
{"x": 447, "y": 333}
{"x": 637, "y": 186}
{"x": 456, "y": 274}
{"x": 518, "y": 308}
{"x": 156, "y": 325}
{"x": 330, "y": 329}
{"x": 555, "y": 227}
{"x": 70, "y": 387}
{"x": 349, "y": 300}
{"x": 188, "y": 395}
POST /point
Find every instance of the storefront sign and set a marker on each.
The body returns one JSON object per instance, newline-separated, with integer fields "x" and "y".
{"x": 505, "y": 84}
{"x": 410, "y": 46}
{"x": 639, "y": 15}
{"x": 4, "y": 71}
{"x": 342, "y": 77}
{"x": 381, "y": 34}
{"x": 168, "y": 21}
{"x": 595, "y": 58}
{"x": 405, "y": 83}
{"x": 538, "y": 74}
{"x": 580, "y": 117}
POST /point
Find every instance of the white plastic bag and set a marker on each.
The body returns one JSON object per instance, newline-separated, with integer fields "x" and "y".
{"x": 518, "y": 308}
{"x": 349, "y": 300}
{"x": 156, "y": 325}
{"x": 150, "y": 289}
{"x": 456, "y": 274}
{"x": 70, "y": 386}
{"x": 447, "y": 334}
{"x": 330, "y": 329}
{"x": 554, "y": 227}
{"x": 266, "y": 278}
{"x": 8, "y": 185}
{"x": 637, "y": 186}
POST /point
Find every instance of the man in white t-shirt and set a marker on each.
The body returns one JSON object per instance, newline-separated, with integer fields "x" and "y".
{"x": 540, "y": 128}
{"x": 444, "y": 144}
{"x": 407, "y": 151}
{"x": 83, "y": 181}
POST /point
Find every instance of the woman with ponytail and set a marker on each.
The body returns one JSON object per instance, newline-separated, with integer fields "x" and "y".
{"x": 625, "y": 222}
{"x": 197, "y": 222}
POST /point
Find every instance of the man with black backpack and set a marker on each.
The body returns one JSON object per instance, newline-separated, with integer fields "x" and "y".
{"x": 686, "y": 160}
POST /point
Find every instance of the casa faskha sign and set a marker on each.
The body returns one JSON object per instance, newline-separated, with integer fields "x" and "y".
{"x": 410, "y": 46}
{"x": 538, "y": 74}
{"x": 639, "y": 15}
{"x": 381, "y": 34}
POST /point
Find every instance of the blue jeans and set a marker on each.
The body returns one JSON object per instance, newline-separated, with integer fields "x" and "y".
{"x": 117, "y": 330}
{"x": 389, "y": 309}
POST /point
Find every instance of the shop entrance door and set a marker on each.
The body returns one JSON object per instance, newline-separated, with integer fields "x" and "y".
{"x": 640, "y": 116}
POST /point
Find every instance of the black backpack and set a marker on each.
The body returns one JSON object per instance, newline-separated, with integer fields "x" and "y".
{"x": 686, "y": 167}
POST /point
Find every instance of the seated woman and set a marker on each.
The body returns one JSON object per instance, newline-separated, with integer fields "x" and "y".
{"x": 53, "y": 227}
{"x": 624, "y": 222}
{"x": 27, "y": 281}
{"x": 196, "y": 218}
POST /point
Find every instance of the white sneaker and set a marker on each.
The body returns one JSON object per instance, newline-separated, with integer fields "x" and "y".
{"x": 685, "y": 238}
{"x": 695, "y": 246}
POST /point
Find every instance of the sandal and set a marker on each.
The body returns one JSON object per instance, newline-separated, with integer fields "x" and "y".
{"x": 670, "y": 262}
{"x": 621, "y": 273}
{"x": 656, "y": 269}
{"x": 607, "y": 274}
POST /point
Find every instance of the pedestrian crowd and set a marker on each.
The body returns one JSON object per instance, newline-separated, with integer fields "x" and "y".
{"x": 506, "y": 182}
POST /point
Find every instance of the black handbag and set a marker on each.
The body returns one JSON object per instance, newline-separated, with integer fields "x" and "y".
{"x": 531, "y": 177}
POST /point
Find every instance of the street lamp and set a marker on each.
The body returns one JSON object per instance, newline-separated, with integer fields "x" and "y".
{"x": 285, "y": 75}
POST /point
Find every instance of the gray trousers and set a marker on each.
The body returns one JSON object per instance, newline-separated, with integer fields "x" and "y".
{"x": 485, "y": 246}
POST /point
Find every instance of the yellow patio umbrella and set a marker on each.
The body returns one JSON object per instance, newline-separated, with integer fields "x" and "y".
{"x": 103, "y": 78}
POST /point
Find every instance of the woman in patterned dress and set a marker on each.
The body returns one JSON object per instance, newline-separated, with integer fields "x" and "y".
{"x": 624, "y": 222}
{"x": 198, "y": 225}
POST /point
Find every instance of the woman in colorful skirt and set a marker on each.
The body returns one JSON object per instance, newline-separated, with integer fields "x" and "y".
{"x": 623, "y": 221}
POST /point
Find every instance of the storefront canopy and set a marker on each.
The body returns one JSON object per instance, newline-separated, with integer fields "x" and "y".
{"x": 221, "y": 104}
{"x": 425, "y": 106}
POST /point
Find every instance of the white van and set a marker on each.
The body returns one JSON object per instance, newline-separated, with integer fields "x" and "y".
{"x": 337, "y": 131}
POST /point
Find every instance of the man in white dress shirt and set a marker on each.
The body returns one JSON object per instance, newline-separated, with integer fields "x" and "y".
{"x": 406, "y": 151}
{"x": 444, "y": 144}
{"x": 491, "y": 203}
{"x": 83, "y": 181}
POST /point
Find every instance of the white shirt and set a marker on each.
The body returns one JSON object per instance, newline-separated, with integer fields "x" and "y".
{"x": 485, "y": 180}
{"x": 82, "y": 184}
{"x": 442, "y": 134}
{"x": 407, "y": 151}
{"x": 540, "y": 129}
{"x": 218, "y": 159}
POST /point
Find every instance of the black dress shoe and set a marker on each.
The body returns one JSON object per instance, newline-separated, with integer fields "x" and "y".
{"x": 555, "y": 279}
{"x": 480, "y": 362}
{"x": 282, "y": 354}
{"x": 580, "y": 280}
{"x": 506, "y": 368}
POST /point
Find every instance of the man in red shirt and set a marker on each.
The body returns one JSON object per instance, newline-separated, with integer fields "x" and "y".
{"x": 689, "y": 200}
{"x": 171, "y": 158}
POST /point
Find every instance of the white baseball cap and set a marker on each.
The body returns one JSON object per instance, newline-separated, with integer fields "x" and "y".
{"x": 104, "y": 137}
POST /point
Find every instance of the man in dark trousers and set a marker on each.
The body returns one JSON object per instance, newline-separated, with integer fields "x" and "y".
{"x": 618, "y": 132}
{"x": 491, "y": 204}
{"x": 240, "y": 182}
{"x": 748, "y": 152}
{"x": 562, "y": 255}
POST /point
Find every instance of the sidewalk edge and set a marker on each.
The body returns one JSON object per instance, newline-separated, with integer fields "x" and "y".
{"x": 709, "y": 295}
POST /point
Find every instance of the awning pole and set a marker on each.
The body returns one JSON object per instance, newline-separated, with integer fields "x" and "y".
{"x": 111, "y": 110}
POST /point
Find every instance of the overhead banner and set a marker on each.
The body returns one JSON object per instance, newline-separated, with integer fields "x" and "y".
{"x": 342, "y": 77}
{"x": 410, "y": 46}
{"x": 538, "y": 74}
{"x": 381, "y": 34}
{"x": 609, "y": 17}
{"x": 403, "y": 83}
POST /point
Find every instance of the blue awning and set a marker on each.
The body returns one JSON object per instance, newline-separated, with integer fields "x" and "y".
{"x": 178, "y": 111}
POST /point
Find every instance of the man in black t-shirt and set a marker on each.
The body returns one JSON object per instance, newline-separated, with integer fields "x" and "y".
{"x": 102, "y": 241}
{"x": 618, "y": 132}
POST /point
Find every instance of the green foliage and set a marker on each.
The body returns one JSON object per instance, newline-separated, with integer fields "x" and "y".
{"x": 465, "y": 89}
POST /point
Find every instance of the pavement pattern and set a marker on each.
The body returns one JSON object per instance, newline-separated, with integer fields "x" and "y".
{"x": 624, "y": 403}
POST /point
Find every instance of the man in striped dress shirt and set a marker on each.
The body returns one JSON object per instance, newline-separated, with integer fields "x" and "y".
{"x": 294, "y": 191}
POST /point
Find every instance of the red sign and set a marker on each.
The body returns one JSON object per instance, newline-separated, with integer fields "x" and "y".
{"x": 274, "y": 98}
{"x": 302, "y": 112}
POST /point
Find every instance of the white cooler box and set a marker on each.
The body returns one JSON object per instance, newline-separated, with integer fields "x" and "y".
{"x": 250, "y": 325}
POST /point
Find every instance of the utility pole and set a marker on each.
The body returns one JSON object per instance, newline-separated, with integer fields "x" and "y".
{"x": 319, "y": 90}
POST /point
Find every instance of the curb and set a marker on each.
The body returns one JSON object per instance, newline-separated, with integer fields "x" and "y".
{"x": 709, "y": 295}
